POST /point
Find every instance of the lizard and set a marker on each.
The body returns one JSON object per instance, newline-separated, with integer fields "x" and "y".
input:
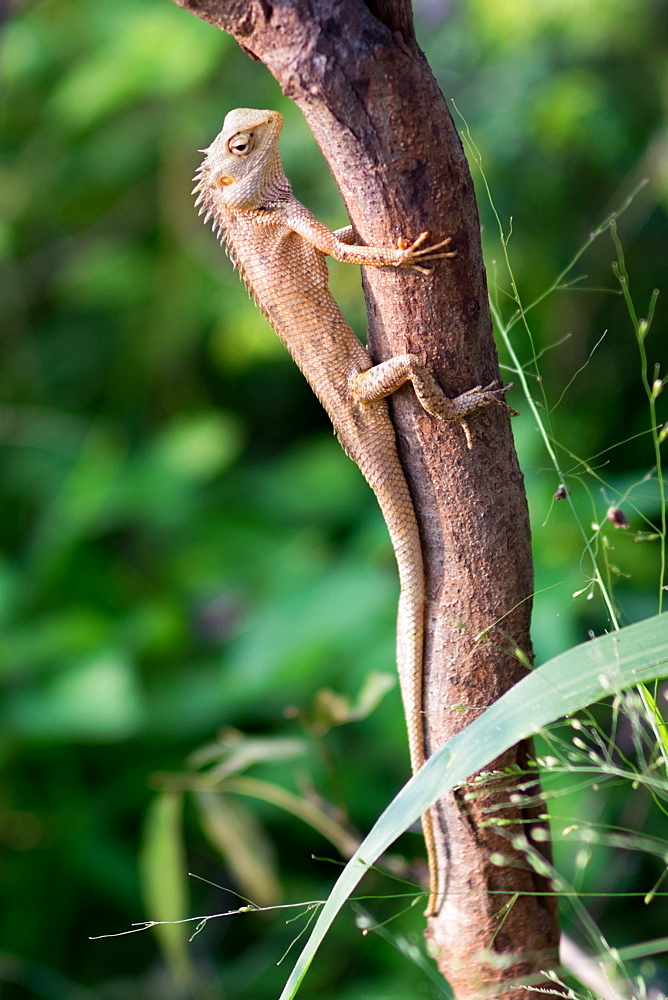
{"x": 279, "y": 248}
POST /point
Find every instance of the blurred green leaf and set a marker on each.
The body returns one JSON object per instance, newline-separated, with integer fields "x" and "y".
{"x": 76, "y": 509}
{"x": 96, "y": 700}
{"x": 148, "y": 49}
{"x": 199, "y": 445}
{"x": 235, "y": 752}
{"x": 160, "y": 482}
{"x": 46, "y": 642}
{"x": 164, "y": 881}
{"x": 104, "y": 270}
{"x": 240, "y": 840}
{"x": 333, "y": 709}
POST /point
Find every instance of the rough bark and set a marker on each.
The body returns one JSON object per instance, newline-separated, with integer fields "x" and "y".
{"x": 375, "y": 109}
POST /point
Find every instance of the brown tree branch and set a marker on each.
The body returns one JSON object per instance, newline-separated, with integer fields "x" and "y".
{"x": 376, "y": 111}
{"x": 397, "y": 15}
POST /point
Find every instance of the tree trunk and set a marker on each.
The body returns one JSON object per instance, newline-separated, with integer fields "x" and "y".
{"x": 375, "y": 109}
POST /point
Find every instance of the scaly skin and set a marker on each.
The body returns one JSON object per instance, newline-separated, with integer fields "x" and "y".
{"x": 279, "y": 248}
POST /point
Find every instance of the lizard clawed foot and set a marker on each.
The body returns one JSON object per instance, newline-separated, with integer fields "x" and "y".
{"x": 475, "y": 399}
{"x": 413, "y": 257}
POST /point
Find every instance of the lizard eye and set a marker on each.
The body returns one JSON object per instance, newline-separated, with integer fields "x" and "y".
{"x": 241, "y": 143}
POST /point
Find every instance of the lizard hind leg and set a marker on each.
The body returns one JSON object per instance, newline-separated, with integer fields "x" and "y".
{"x": 415, "y": 254}
{"x": 388, "y": 376}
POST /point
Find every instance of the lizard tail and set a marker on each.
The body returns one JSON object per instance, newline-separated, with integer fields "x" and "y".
{"x": 397, "y": 507}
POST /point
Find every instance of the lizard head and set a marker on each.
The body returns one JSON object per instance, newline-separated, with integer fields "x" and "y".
{"x": 242, "y": 162}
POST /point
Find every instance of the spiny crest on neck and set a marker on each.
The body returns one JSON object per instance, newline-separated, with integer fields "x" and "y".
{"x": 242, "y": 167}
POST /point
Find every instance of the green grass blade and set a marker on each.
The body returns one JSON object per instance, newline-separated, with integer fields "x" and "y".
{"x": 567, "y": 683}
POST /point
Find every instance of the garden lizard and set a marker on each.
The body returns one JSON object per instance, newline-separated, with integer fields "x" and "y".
{"x": 279, "y": 247}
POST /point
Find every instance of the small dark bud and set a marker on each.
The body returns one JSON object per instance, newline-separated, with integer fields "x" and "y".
{"x": 618, "y": 517}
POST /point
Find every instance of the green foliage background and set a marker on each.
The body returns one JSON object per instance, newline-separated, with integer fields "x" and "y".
{"x": 184, "y": 546}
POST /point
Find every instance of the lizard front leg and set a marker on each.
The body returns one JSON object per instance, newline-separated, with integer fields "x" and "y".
{"x": 386, "y": 377}
{"x": 341, "y": 244}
